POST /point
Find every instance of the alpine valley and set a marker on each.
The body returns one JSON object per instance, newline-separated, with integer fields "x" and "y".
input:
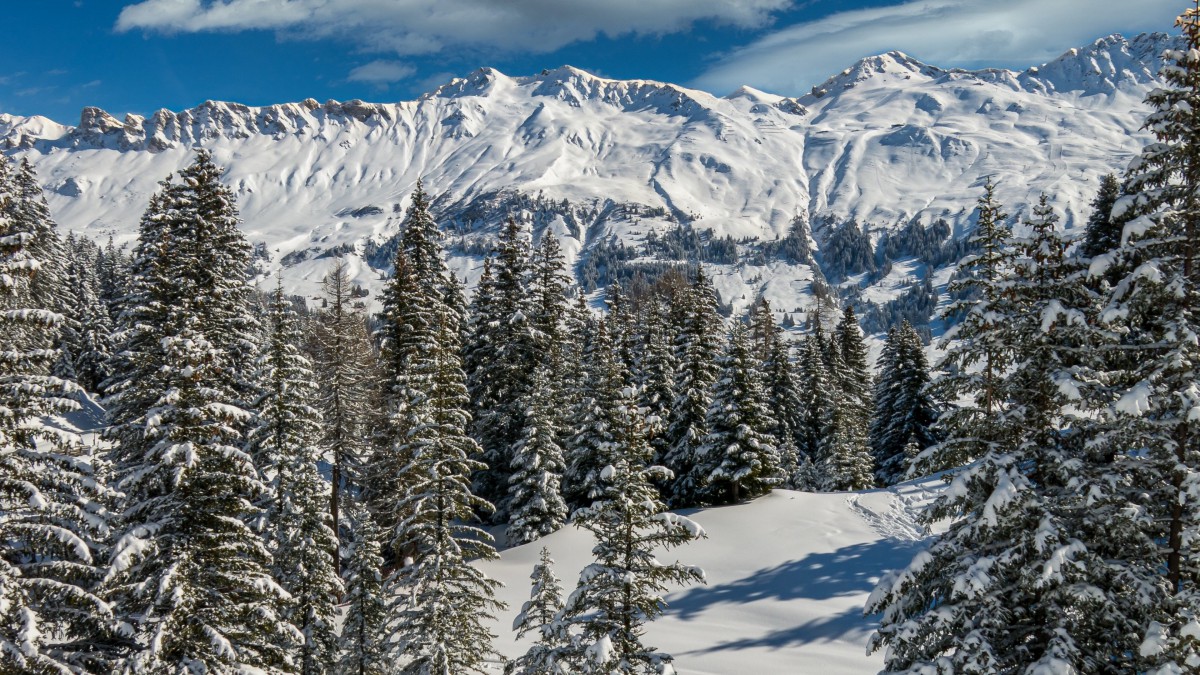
{"x": 864, "y": 187}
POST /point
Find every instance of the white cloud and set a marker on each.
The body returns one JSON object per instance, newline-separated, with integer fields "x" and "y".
{"x": 429, "y": 26}
{"x": 381, "y": 72}
{"x": 948, "y": 33}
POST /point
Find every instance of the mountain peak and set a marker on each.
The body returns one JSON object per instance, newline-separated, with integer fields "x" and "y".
{"x": 1109, "y": 64}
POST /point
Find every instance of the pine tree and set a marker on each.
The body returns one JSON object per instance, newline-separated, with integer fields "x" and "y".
{"x": 363, "y": 638}
{"x": 112, "y": 273}
{"x": 697, "y": 347}
{"x": 53, "y": 520}
{"x": 976, "y": 356}
{"x": 622, "y": 589}
{"x": 850, "y": 465}
{"x": 345, "y": 364}
{"x": 539, "y": 614}
{"x": 26, "y": 208}
{"x": 535, "y": 489}
{"x": 905, "y": 413}
{"x": 621, "y": 326}
{"x": 737, "y": 459}
{"x": 188, "y": 572}
{"x": 287, "y": 443}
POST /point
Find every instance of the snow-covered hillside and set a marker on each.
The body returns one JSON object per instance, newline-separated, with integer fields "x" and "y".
{"x": 788, "y": 575}
{"x": 887, "y": 141}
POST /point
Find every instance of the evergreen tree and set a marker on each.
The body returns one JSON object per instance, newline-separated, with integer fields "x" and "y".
{"x": 1045, "y": 592}
{"x": 112, "y": 273}
{"x": 595, "y": 426}
{"x": 656, "y": 374}
{"x": 779, "y": 378}
{"x": 697, "y": 347}
{"x": 188, "y": 571}
{"x": 820, "y": 406}
{"x": 976, "y": 357}
{"x": 421, "y": 485}
{"x": 287, "y": 441}
{"x": 535, "y": 492}
{"x": 87, "y": 335}
{"x": 738, "y": 458}
{"x": 345, "y": 364}
{"x": 622, "y": 589}
{"x": 1103, "y": 232}
{"x": 539, "y": 613}
{"x": 1149, "y": 426}
{"x": 620, "y": 327}
{"x": 362, "y": 640}
{"x": 501, "y": 377}
{"x": 905, "y": 413}
{"x": 850, "y": 465}
{"x": 26, "y": 208}
{"x": 52, "y": 515}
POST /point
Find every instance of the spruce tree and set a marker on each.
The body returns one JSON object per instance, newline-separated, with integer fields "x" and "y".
{"x": 697, "y": 348}
{"x": 977, "y": 356}
{"x": 905, "y": 413}
{"x": 849, "y": 464}
{"x": 622, "y": 590}
{"x": 53, "y": 520}
{"x": 363, "y": 638}
{"x": 87, "y": 336}
{"x": 535, "y": 489}
{"x": 540, "y": 614}
{"x": 655, "y": 375}
{"x": 188, "y": 572}
{"x": 1103, "y": 233}
{"x": 1149, "y": 426}
{"x": 300, "y": 527}
{"x": 737, "y": 459}
{"x": 594, "y": 424}
{"x": 502, "y": 378}
{"x": 820, "y": 404}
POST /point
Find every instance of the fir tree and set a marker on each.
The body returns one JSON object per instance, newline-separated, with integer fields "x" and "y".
{"x": 820, "y": 406}
{"x": 977, "y": 356}
{"x": 363, "y": 638}
{"x": 656, "y": 374}
{"x": 738, "y": 458}
{"x": 697, "y": 347}
{"x": 188, "y": 571}
{"x": 87, "y": 337}
{"x": 539, "y": 614}
{"x": 303, "y": 541}
{"x": 52, "y": 515}
{"x": 849, "y": 464}
{"x": 535, "y": 493}
{"x": 622, "y": 589}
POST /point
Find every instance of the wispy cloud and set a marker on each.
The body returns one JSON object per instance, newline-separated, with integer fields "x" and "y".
{"x": 381, "y": 72}
{"x": 959, "y": 33}
{"x": 409, "y": 27}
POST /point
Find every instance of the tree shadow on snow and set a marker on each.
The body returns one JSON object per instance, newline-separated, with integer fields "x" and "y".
{"x": 818, "y": 576}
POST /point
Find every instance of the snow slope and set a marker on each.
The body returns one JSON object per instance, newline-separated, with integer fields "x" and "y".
{"x": 788, "y": 575}
{"x": 887, "y": 140}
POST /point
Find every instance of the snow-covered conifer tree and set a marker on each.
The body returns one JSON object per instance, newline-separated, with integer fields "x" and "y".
{"x": 535, "y": 498}
{"x": 622, "y": 590}
{"x": 594, "y": 424}
{"x": 905, "y": 413}
{"x": 300, "y": 532}
{"x": 697, "y": 347}
{"x": 977, "y": 357}
{"x": 540, "y": 614}
{"x": 53, "y": 521}
{"x": 737, "y": 459}
{"x": 187, "y": 570}
{"x": 363, "y": 637}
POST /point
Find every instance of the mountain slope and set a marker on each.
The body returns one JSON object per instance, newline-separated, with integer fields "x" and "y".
{"x": 888, "y": 141}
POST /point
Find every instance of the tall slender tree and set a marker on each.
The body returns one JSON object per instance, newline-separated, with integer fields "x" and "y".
{"x": 188, "y": 572}
{"x": 535, "y": 490}
{"x": 362, "y": 640}
{"x": 540, "y": 614}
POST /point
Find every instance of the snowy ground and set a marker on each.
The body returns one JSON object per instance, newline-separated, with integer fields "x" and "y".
{"x": 787, "y": 578}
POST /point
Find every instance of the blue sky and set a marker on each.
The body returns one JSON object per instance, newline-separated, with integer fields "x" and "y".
{"x": 138, "y": 56}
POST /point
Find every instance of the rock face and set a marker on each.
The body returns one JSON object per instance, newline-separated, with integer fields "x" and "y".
{"x": 887, "y": 142}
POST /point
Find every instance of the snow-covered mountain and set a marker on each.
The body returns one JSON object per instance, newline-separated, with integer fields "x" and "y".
{"x": 887, "y": 142}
